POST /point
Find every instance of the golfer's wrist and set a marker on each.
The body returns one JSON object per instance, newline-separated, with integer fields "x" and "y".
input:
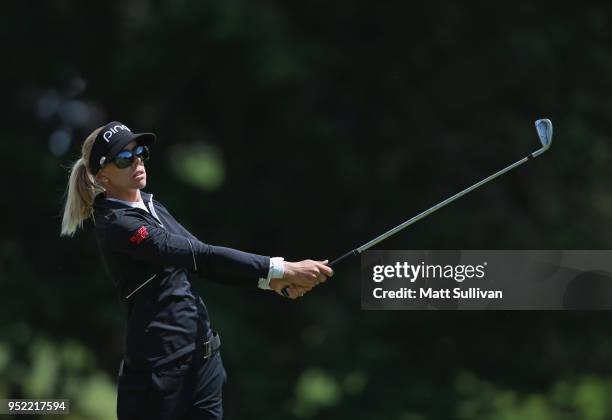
{"x": 289, "y": 271}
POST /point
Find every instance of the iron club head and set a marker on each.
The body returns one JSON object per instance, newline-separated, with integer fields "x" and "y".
{"x": 545, "y": 132}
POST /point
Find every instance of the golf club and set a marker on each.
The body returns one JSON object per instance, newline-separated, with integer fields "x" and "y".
{"x": 545, "y": 131}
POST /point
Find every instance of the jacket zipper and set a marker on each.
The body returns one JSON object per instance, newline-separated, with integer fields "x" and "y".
{"x": 193, "y": 256}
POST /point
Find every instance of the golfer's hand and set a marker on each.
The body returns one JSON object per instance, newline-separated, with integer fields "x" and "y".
{"x": 308, "y": 273}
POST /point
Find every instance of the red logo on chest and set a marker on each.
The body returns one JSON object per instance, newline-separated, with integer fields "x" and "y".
{"x": 140, "y": 235}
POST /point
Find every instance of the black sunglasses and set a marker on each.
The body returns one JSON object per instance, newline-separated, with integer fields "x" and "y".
{"x": 125, "y": 158}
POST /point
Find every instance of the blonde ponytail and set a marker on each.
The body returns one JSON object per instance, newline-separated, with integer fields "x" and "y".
{"x": 81, "y": 190}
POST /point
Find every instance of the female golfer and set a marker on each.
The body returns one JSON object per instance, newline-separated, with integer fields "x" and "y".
{"x": 172, "y": 368}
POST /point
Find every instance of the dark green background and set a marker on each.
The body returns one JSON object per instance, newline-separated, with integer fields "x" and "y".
{"x": 309, "y": 128}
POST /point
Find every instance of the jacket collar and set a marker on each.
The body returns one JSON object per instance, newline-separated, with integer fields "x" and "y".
{"x": 101, "y": 203}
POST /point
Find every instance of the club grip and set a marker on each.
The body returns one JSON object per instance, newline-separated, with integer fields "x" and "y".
{"x": 331, "y": 264}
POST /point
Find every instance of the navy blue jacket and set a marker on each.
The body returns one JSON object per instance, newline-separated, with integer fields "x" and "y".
{"x": 151, "y": 260}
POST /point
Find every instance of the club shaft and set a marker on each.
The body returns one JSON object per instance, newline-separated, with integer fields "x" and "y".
{"x": 427, "y": 212}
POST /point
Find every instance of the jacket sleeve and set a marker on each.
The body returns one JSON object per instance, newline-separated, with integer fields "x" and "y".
{"x": 133, "y": 234}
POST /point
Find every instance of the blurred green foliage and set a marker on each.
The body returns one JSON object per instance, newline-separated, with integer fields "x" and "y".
{"x": 355, "y": 115}
{"x": 585, "y": 398}
{"x": 199, "y": 165}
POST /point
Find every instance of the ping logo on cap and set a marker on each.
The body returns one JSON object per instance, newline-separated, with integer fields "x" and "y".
{"x": 112, "y": 130}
